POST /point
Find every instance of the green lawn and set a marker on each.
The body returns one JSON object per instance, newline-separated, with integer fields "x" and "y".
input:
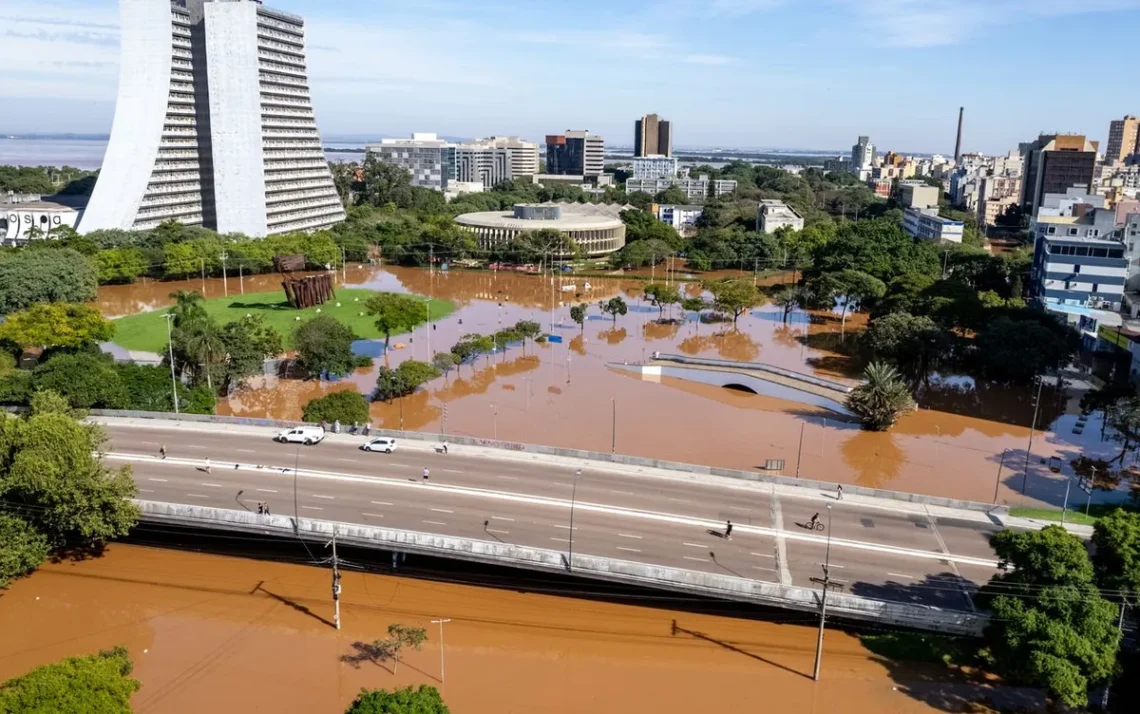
{"x": 1076, "y": 513}
{"x": 147, "y": 330}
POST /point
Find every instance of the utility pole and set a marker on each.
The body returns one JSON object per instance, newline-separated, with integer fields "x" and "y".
{"x": 225, "y": 283}
{"x": 613, "y": 437}
{"x": 1119, "y": 632}
{"x": 1032, "y": 428}
{"x": 241, "y": 280}
{"x": 335, "y": 580}
{"x": 441, "y": 622}
{"x": 573, "y": 501}
{"x": 826, "y": 581}
{"x": 170, "y": 346}
{"x": 800, "y": 451}
{"x": 202, "y": 262}
{"x": 343, "y": 265}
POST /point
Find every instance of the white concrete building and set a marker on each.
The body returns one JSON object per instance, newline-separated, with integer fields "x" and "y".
{"x": 772, "y": 215}
{"x": 213, "y": 123}
{"x": 694, "y": 188}
{"x": 654, "y": 167}
{"x": 682, "y": 217}
{"x": 928, "y": 225}
{"x": 524, "y": 154}
{"x": 482, "y": 163}
{"x": 429, "y": 159}
{"x": 27, "y": 217}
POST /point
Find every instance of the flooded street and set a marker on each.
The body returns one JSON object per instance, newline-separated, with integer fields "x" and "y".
{"x": 566, "y": 394}
{"x": 215, "y": 633}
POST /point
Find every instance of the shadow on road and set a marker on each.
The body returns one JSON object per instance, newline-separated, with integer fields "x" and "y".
{"x": 947, "y": 589}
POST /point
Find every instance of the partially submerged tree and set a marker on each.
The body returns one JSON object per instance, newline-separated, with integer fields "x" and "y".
{"x": 96, "y": 684}
{"x": 735, "y": 297}
{"x": 613, "y": 307}
{"x": 881, "y": 398}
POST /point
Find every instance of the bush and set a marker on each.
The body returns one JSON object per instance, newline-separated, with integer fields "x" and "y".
{"x": 86, "y": 381}
{"x": 423, "y": 700}
{"x": 348, "y": 407}
{"x": 34, "y": 276}
{"x": 324, "y": 346}
{"x": 99, "y": 684}
{"x": 16, "y": 388}
{"x": 22, "y": 548}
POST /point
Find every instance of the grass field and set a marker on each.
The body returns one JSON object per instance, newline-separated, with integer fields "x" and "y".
{"x": 1076, "y": 513}
{"x": 147, "y": 330}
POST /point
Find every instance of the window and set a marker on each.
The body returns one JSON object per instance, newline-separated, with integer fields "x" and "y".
{"x": 1052, "y": 230}
{"x": 1116, "y": 253}
{"x": 1098, "y": 252}
{"x": 1081, "y": 251}
{"x": 1072, "y": 231}
{"x": 1096, "y": 288}
{"x": 1076, "y": 268}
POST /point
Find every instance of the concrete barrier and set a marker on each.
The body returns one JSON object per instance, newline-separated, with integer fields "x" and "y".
{"x": 597, "y": 456}
{"x": 728, "y": 587}
{"x": 754, "y": 367}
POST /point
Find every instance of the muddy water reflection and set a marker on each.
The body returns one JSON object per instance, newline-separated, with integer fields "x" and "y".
{"x": 560, "y": 393}
{"x": 213, "y": 633}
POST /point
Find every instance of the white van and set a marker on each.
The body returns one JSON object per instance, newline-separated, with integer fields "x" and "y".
{"x": 307, "y": 435}
{"x": 382, "y": 443}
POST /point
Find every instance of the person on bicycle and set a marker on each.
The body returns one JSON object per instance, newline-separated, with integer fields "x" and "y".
{"x": 813, "y": 522}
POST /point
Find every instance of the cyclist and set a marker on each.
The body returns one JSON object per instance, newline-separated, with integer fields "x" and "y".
{"x": 812, "y": 523}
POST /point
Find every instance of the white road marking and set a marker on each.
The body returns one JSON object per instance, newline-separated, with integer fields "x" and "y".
{"x": 502, "y": 518}
{"x": 902, "y": 575}
{"x": 246, "y": 451}
{"x": 561, "y": 540}
{"x": 757, "y": 567}
{"x": 701, "y": 560}
{"x": 631, "y": 550}
{"x": 565, "y": 528}
{"x": 317, "y": 495}
{"x": 436, "y": 523}
{"x": 382, "y": 503}
{"x": 211, "y": 485}
{"x": 781, "y": 543}
{"x": 509, "y": 478}
{"x": 266, "y": 490}
{"x": 495, "y": 530}
{"x": 197, "y": 495}
{"x": 628, "y": 535}
{"x": 695, "y": 545}
{"x": 313, "y": 508}
{"x": 624, "y": 493}
{"x": 373, "y": 515}
{"x": 442, "y": 510}
{"x": 762, "y": 555}
{"x": 451, "y": 471}
{"x": 350, "y": 461}
{"x": 192, "y": 446}
{"x": 399, "y": 466}
{"x": 160, "y": 480}
{"x": 146, "y": 490}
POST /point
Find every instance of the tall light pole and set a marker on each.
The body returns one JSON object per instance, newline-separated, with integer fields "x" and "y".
{"x": 1032, "y": 428}
{"x": 826, "y": 582}
{"x": 495, "y": 420}
{"x": 613, "y": 430}
{"x": 170, "y": 346}
{"x": 441, "y": 622}
{"x": 427, "y": 325}
{"x": 573, "y": 500}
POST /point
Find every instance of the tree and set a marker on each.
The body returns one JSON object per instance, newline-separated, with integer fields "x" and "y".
{"x": 529, "y": 329}
{"x": 401, "y": 636}
{"x": 386, "y": 184}
{"x": 346, "y": 406}
{"x": 198, "y": 349}
{"x": 395, "y": 312}
{"x": 120, "y": 265}
{"x": 95, "y": 684}
{"x": 1050, "y": 627}
{"x": 404, "y": 379}
{"x": 734, "y": 296}
{"x": 86, "y": 380}
{"x": 578, "y": 314}
{"x": 694, "y": 304}
{"x": 881, "y": 398}
{"x": 324, "y": 346}
{"x": 671, "y": 195}
{"x": 444, "y": 362}
{"x": 247, "y": 342}
{"x": 614, "y": 306}
{"x": 914, "y": 344}
{"x": 423, "y": 700}
{"x": 1123, "y": 416}
{"x": 56, "y": 325}
{"x": 851, "y": 287}
{"x": 35, "y": 276}
{"x": 471, "y": 346}
{"x": 22, "y": 548}
{"x": 1017, "y": 350}
{"x": 1117, "y": 560}
{"x": 149, "y": 389}
{"x": 662, "y": 296}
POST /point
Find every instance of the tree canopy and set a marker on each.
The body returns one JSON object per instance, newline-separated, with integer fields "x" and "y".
{"x": 324, "y": 346}
{"x": 395, "y": 312}
{"x": 735, "y": 297}
{"x": 881, "y": 398}
{"x": 404, "y": 379}
{"x": 422, "y": 700}
{"x": 347, "y": 406}
{"x": 1117, "y": 560}
{"x": 28, "y": 277}
{"x": 56, "y": 325}
{"x": 95, "y": 684}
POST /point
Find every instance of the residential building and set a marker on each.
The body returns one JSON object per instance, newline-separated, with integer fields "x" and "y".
{"x": 576, "y": 153}
{"x": 1054, "y": 164}
{"x": 682, "y": 217}
{"x": 840, "y": 164}
{"x": 928, "y": 225}
{"x": 652, "y": 136}
{"x": 429, "y": 159}
{"x": 919, "y": 195}
{"x": 483, "y": 163}
{"x": 213, "y": 123}
{"x": 773, "y": 215}
{"x": 654, "y": 167}
{"x": 1117, "y": 181}
{"x": 694, "y": 188}
{"x": 990, "y": 209}
{"x": 524, "y": 154}
{"x": 862, "y": 157}
{"x": 1123, "y": 139}
{"x": 457, "y": 188}
{"x": 1081, "y": 262}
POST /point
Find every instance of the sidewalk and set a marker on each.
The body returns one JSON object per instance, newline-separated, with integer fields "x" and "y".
{"x": 997, "y": 516}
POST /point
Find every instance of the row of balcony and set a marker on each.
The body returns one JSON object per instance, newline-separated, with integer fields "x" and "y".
{"x": 279, "y": 202}
{"x": 173, "y": 188}
{"x": 281, "y": 186}
{"x": 171, "y": 199}
{"x": 302, "y": 141}
{"x": 282, "y": 177}
{"x": 283, "y": 90}
{"x": 285, "y": 112}
{"x": 285, "y": 101}
{"x": 146, "y": 225}
{"x": 284, "y": 124}
{"x": 270, "y": 34}
{"x": 164, "y": 166}
{"x": 282, "y": 47}
{"x": 166, "y": 212}
{"x": 170, "y": 179}
{"x": 324, "y": 219}
{"x": 269, "y": 65}
{"x": 177, "y": 53}
{"x": 274, "y": 77}
{"x": 287, "y": 27}
{"x": 281, "y": 58}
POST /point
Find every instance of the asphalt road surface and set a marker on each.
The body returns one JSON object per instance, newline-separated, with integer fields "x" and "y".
{"x": 879, "y": 549}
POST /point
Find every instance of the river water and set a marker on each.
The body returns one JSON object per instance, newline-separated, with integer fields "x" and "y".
{"x": 570, "y": 395}
{"x": 225, "y": 634}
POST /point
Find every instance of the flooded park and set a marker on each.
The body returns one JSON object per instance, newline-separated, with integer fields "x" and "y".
{"x": 968, "y": 439}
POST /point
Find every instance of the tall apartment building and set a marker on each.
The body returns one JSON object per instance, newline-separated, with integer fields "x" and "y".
{"x": 1054, "y": 164}
{"x": 524, "y": 154}
{"x": 213, "y": 123}
{"x": 429, "y": 159}
{"x": 575, "y": 153}
{"x": 652, "y": 136}
{"x": 1123, "y": 139}
{"x": 483, "y": 163}
{"x": 863, "y": 157}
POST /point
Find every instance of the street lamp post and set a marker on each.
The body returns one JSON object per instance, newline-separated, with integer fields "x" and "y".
{"x": 441, "y": 622}
{"x": 573, "y": 500}
{"x": 495, "y": 420}
{"x": 170, "y": 346}
{"x": 997, "y": 482}
{"x": 613, "y": 431}
{"x": 826, "y": 582}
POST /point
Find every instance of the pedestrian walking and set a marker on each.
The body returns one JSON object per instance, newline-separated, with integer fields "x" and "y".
{"x": 839, "y": 492}
{"x": 267, "y": 509}
{"x": 162, "y": 451}
{"x": 728, "y": 530}
{"x": 207, "y": 464}
{"x": 336, "y": 426}
{"x": 261, "y": 509}
{"x": 426, "y": 473}
{"x": 445, "y": 447}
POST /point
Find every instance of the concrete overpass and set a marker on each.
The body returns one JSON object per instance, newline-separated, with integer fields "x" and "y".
{"x": 907, "y": 560}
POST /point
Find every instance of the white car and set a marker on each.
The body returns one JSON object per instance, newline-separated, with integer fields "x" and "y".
{"x": 383, "y": 443}
{"x": 307, "y": 435}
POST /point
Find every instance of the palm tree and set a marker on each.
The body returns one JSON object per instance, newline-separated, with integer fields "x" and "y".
{"x": 189, "y": 306}
{"x": 201, "y": 346}
{"x": 881, "y": 398}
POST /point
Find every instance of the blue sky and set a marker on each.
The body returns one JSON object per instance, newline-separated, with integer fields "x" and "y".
{"x": 746, "y": 73}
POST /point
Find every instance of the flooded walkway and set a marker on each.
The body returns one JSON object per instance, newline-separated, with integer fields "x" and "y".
{"x": 214, "y": 633}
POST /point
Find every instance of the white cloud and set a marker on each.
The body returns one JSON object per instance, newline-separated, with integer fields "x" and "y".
{"x": 708, "y": 59}
{"x": 715, "y": 8}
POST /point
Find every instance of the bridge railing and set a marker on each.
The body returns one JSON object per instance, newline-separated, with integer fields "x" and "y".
{"x": 755, "y": 367}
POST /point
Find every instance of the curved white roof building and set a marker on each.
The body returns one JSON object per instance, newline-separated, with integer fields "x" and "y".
{"x": 213, "y": 123}
{"x": 597, "y": 230}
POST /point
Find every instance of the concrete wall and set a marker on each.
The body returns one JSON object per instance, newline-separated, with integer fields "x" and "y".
{"x": 675, "y": 579}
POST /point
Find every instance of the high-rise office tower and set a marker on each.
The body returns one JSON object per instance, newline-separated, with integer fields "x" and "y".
{"x": 213, "y": 123}
{"x": 575, "y": 153}
{"x": 652, "y": 136}
{"x": 1054, "y": 164}
{"x": 1123, "y": 139}
{"x": 862, "y": 155}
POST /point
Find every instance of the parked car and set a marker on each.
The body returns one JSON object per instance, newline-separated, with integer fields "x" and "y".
{"x": 307, "y": 435}
{"x": 382, "y": 443}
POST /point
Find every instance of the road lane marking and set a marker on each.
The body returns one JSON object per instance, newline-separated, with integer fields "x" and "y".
{"x": 631, "y": 550}
{"x": 762, "y": 555}
{"x": 197, "y": 495}
{"x": 695, "y": 545}
{"x": 509, "y": 478}
{"x": 565, "y": 528}
{"x": 160, "y": 480}
{"x": 495, "y": 530}
{"x": 373, "y": 515}
{"x": 561, "y": 540}
{"x": 192, "y": 446}
{"x": 451, "y": 471}
{"x": 246, "y": 451}
{"x": 624, "y": 493}
{"x": 777, "y": 514}
{"x": 442, "y": 510}
{"x": 399, "y": 466}
{"x": 702, "y": 560}
{"x": 382, "y": 503}
{"x": 553, "y": 502}
{"x": 902, "y": 575}
{"x": 266, "y": 490}
{"x": 757, "y": 567}
{"x": 317, "y": 495}
{"x": 436, "y": 523}
{"x": 211, "y": 485}
{"x": 628, "y": 535}
{"x": 502, "y": 518}
{"x": 313, "y": 508}
{"x": 953, "y": 565}
{"x": 146, "y": 490}
{"x": 349, "y": 461}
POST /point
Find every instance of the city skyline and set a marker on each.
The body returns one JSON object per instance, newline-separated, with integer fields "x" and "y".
{"x": 770, "y": 73}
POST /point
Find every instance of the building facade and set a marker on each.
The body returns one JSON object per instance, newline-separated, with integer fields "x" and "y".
{"x": 213, "y": 123}
{"x": 926, "y": 224}
{"x": 919, "y": 195}
{"x": 576, "y": 153}
{"x": 863, "y": 157}
{"x": 524, "y": 154}
{"x": 1054, "y": 164}
{"x": 429, "y": 159}
{"x": 1123, "y": 139}
{"x": 654, "y": 167}
{"x": 1080, "y": 270}
{"x": 24, "y": 218}
{"x": 596, "y": 230}
{"x": 652, "y": 136}
{"x": 694, "y": 188}
{"x": 683, "y": 218}
{"x": 772, "y": 215}
{"x": 483, "y": 163}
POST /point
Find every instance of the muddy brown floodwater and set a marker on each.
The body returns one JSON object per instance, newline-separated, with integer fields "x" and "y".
{"x": 566, "y": 394}
{"x": 214, "y": 633}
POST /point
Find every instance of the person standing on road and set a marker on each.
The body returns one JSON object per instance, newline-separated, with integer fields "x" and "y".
{"x": 839, "y": 492}
{"x": 728, "y": 530}
{"x": 261, "y": 509}
{"x": 266, "y": 504}
{"x": 162, "y": 450}
{"x": 207, "y": 464}
{"x": 445, "y": 447}
{"x": 426, "y": 473}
